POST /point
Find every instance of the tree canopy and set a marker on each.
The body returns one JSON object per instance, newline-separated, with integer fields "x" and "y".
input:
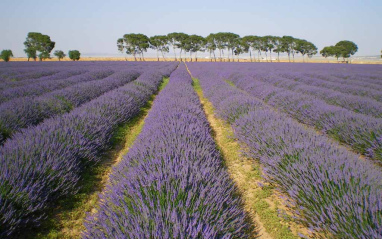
{"x": 344, "y": 49}
{"x": 134, "y": 44}
{"x": 228, "y": 44}
{"x": 74, "y": 55}
{"x": 37, "y": 42}
{"x": 59, "y": 54}
{"x": 6, "y": 55}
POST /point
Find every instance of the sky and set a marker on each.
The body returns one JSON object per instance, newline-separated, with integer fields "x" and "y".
{"x": 93, "y": 27}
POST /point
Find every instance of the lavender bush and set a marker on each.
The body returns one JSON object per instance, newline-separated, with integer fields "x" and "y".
{"x": 23, "y": 112}
{"x": 48, "y": 83}
{"x": 172, "y": 183}
{"x": 357, "y": 130}
{"x": 329, "y": 189}
{"x": 43, "y": 163}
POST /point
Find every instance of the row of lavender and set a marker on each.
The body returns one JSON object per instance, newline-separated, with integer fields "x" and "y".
{"x": 45, "y": 162}
{"x": 329, "y": 189}
{"x": 34, "y": 87}
{"x": 171, "y": 183}
{"x": 362, "y": 132}
{"x": 18, "y": 72}
{"x": 358, "y": 104}
{"x": 24, "y": 111}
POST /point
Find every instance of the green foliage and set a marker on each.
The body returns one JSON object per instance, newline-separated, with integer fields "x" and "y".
{"x": 327, "y": 51}
{"x": 6, "y": 55}
{"x": 305, "y": 48}
{"x": 195, "y": 43}
{"x": 37, "y": 42}
{"x": 211, "y": 45}
{"x": 59, "y": 54}
{"x": 344, "y": 49}
{"x": 160, "y": 43}
{"x": 347, "y": 48}
{"x": 31, "y": 53}
{"x": 74, "y": 55}
{"x": 133, "y": 44}
{"x": 43, "y": 55}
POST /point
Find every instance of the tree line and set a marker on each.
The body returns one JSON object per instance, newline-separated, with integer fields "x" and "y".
{"x": 40, "y": 45}
{"x": 225, "y": 43}
{"x": 343, "y": 49}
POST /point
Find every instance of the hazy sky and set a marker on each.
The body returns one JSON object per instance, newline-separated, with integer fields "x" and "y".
{"x": 93, "y": 27}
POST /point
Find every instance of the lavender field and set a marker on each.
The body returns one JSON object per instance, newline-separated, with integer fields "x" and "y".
{"x": 312, "y": 131}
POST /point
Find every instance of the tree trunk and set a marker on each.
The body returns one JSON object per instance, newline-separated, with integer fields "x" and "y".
{"x": 220, "y": 52}
{"x": 158, "y": 54}
{"x": 278, "y": 56}
{"x": 289, "y": 55}
{"x": 258, "y": 55}
{"x": 164, "y": 59}
{"x": 250, "y": 55}
{"x": 270, "y": 55}
{"x": 174, "y": 52}
{"x": 180, "y": 54}
{"x": 214, "y": 55}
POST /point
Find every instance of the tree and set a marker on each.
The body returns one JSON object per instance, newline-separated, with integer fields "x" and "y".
{"x": 327, "y": 51}
{"x": 279, "y": 47}
{"x": 264, "y": 46}
{"x": 347, "y": 48}
{"x": 305, "y": 48}
{"x": 44, "y": 55}
{"x": 37, "y": 42}
{"x": 195, "y": 43}
{"x": 231, "y": 40}
{"x": 221, "y": 43}
{"x": 287, "y": 45}
{"x": 178, "y": 40}
{"x": 256, "y": 45}
{"x": 74, "y": 55}
{"x": 183, "y": 42}
{"x": 159, "y": 43}
{"x": 59, "y": 54}
{"x": 240, "y": 47}
{"x": 6, "y": 55}
{"x": 134, "y": 44}
{"x": 31, "y": 53}
{"x": 250, "y": 42}
{"x": 211, "y": 45}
